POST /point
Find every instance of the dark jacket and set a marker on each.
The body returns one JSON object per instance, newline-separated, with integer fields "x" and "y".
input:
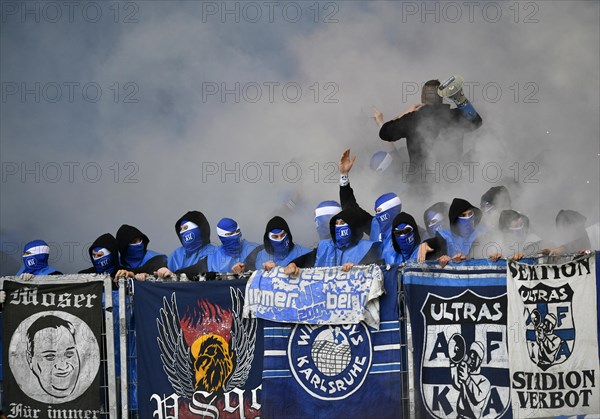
{"x": 152, "y": 260}
{"x": 109, "y": 242}
{"x": 429, "y": 127}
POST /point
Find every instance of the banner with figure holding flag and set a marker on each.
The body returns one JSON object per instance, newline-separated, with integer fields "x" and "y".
{"x": 554, "y": 365}
{"x": 458, "y": 320}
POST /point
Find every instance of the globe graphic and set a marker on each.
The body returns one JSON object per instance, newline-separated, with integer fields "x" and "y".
{"x": 331, "y": 351}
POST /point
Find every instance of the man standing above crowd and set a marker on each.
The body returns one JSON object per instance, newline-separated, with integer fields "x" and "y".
{"x": 434, "y": 132}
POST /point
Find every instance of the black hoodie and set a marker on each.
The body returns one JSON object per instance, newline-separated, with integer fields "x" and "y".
{"x": 459, "y": 206}
{"x": 498, "y": 197}
{"x": 125, "y": 235}
{"x": 571, "y": 227}
{"x": 404, "y": 218}
{"x": 198, "y": 218}
{"x": 108, "y": 242}
{"x": 280, "y": 223}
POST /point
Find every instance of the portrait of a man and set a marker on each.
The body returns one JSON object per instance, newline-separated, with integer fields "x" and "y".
{"x": 52, "y": 355}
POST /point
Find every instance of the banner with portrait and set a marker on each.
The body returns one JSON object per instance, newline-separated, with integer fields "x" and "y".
{"x": 51, "y": 352}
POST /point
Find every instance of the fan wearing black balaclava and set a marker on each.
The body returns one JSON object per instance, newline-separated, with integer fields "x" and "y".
{"x": 516, "y": 237}
{"x": 278, "y": 247}
{"x": 193, "y": 231}
{"x": 104, "y": 255}
{"x": 405, "y": 240}
{"x": 345, "y": 248}
{"x": 235, "y": 253}
{"x": 136, "y": 260}
{"x": 35, "y": 260}
{"x": 436, "y": 219}
{"x": 428, "y": 126}
{"x": 465, "y": 228}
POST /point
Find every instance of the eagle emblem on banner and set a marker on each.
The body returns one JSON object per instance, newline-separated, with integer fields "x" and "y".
{"x": 209, "y": 349}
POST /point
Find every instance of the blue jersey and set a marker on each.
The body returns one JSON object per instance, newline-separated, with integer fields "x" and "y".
{"x": 458, "y": 244}
{"x": 147, "y": 256}
{"x": 394, "y": 258}
{"x": 264, "y": 256}
{"x": 180, "y": 260}
{"x": 329, "y": 255}
{"x": 219, "y": 261}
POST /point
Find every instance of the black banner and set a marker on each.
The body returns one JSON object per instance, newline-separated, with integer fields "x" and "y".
{"x": 51, "y": 354}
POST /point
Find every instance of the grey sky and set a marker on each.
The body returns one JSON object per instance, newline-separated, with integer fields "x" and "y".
{"x": 158, "y": 134}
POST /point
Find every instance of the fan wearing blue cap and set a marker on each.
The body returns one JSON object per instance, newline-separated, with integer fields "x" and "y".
{"x": 193, "y": 232}
{"x": 459, "y": 239}
{"x": 345, "y": 248}
{"x": 35, "y": 260}
{"x": 323, "y": 213}
{"x": 104, "y": 255}
{"x": 278, "y": 247}
{"x": 137, "y": 261}
{"x": 235, "y": 253}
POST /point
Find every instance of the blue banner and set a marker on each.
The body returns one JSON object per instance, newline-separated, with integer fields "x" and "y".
{"x": 197, "y": 356}
{"x": 335, "y": 371}
{"x": 458, "y": 318}
{"x": 316, "y": 295}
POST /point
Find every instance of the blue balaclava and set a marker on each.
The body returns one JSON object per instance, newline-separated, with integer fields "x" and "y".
{"x": 190, "y": 237}
{"x": 389, "y": 205}
{"x": 135, "y": 253}
{"x": 38, "y": 257}
{"x": 343, "y": 235}
{"x": 465, "y": 225}
{"x": 406, "y": 241}
{"x": 281, "y": 247}
{"x": 104, "y": 263}
{"x": 232, "y": 243}
{"x": 323, "y": 213}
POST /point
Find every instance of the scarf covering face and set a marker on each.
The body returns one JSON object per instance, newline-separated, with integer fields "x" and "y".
{"x": 135, "y": 254}
{"x": 281, "y": 247}
{"x": 390, "y": 206}
{"x": 38, "y": 257}
{"x": 190, "y": 236}
{"x": 232, "y": 244}
{"x": 105, "y": 263}
{"x": 323, "y": 213}
{"x": 343, "y": 235}
{"x": 465, "y": 225}
{"x": 406, "y": 242}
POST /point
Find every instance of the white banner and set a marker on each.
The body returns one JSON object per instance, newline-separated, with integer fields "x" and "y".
{"x": 553, "y": 344}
